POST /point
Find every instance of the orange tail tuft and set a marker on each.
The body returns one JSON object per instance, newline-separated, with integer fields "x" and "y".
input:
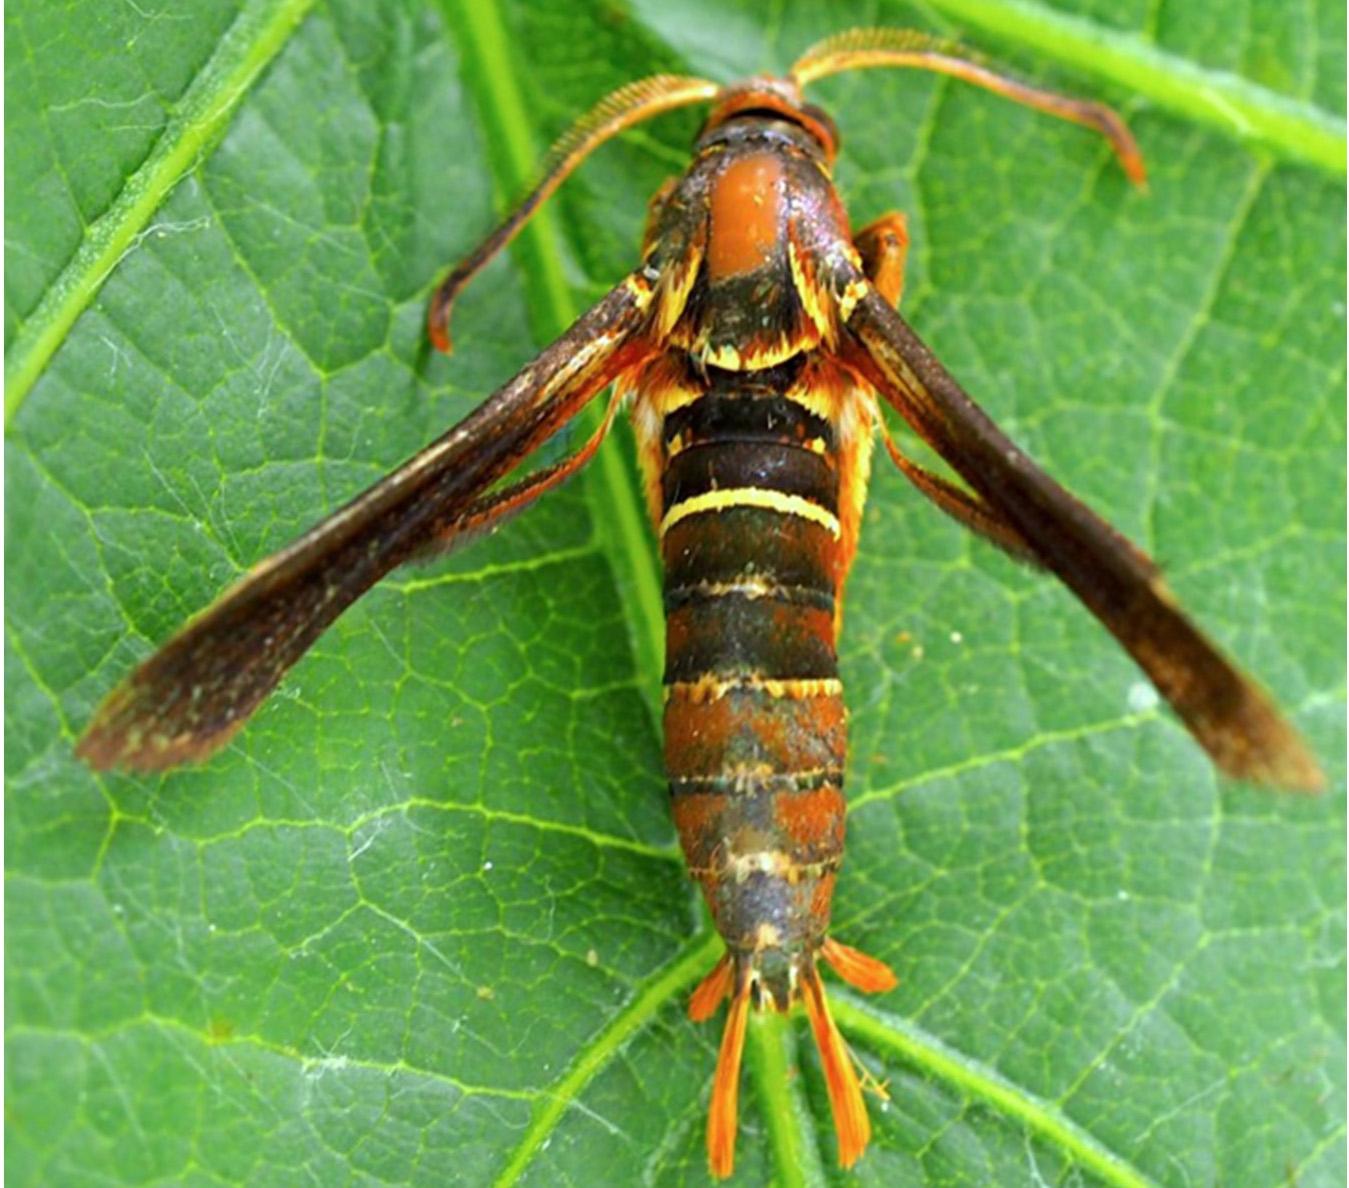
{"x": 840, "y": 1078}
{"x": 711, "y": 990}
{"x": 721, "y": 1122}
{"x": 857, "y": 969}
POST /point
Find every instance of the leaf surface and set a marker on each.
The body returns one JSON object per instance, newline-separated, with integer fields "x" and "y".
{"x": 426, "y": 920}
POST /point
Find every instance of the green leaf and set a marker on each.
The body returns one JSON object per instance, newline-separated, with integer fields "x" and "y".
{"x": 426, "y": 921}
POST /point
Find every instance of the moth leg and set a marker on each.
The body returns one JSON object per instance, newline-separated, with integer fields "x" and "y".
{"x": 486, "y": 515}
{"x": 963, "y": 506}
{"x": 884, "y": 246}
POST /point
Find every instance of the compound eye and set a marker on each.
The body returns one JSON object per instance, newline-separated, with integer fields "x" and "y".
{"x": 826, "y": 124}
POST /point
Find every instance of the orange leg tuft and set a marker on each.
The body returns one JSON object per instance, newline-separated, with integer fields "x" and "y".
{"x": 711, "y": 990}
{"x": 857, "y": 969}
{"x": 721, "y": 1121}
{"x": 883, "y": 246}
{"x": 845, "y": 1093}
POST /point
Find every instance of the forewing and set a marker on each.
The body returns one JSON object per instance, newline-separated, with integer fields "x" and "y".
{"x": 190, "y": 697}
{"x": 1231, "y": 717}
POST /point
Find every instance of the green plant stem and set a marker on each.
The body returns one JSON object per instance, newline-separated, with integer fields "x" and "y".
{"x": 901, "y": 1040}
{"x": 771, "y": 1056}
{"x": 690, "y": 965}
{"x": 1219, "y": 99}
{"x": 620, "y": 514}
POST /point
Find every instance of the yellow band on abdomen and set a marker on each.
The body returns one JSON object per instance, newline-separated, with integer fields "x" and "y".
{"x": 777, "y": 501}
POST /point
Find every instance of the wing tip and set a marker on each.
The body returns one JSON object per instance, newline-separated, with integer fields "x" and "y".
{"x": 1255, "y": 743}
{"x": 127, "y": 735}
{"x": 1285, "y": 764}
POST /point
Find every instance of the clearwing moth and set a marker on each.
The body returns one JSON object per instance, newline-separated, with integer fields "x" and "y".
{"x": 751, "y": 344}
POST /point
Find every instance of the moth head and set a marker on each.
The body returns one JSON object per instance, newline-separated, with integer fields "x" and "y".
{"x": 775, "y": 98}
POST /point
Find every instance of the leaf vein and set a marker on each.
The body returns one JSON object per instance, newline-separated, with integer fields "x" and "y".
{"x": 255, "y": 38}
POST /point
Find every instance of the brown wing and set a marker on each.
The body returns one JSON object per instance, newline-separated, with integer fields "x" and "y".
{"x": 190, "y": 697}
{"x": 1230, "y": 716}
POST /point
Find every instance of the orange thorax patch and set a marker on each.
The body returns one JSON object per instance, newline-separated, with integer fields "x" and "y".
{"x": 747, "y": 216}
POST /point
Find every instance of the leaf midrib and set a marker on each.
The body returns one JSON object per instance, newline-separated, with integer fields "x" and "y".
{"x": 974, "y": 1080}
{"x": 257, "y": 35}
{"x": 503, "y": 110}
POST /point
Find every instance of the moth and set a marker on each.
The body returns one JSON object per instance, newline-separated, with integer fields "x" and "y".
{"x": 754, "y": 345}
